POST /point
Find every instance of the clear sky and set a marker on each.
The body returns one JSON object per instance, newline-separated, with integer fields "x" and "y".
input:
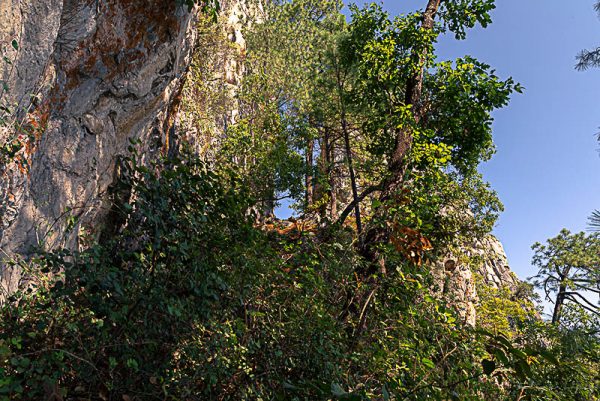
{"x": 547, "y": 166}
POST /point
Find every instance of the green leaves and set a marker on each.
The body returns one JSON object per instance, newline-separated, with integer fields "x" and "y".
{"x": 188, "y": 295}
{"x": 460, "y": 15}
{"x": 464, "y": 94}
{"x": 121, "y": 308}
{"x": 428, "y": 363}
{"x": 594, "y": 221}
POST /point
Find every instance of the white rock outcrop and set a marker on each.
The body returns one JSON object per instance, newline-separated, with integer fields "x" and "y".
{"x": 455, "y": 278}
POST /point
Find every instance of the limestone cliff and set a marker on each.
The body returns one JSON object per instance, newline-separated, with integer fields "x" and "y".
{"x": 456, "y": 275}
{"x": 209, "y": 100}
{"x": 85, "y": 79}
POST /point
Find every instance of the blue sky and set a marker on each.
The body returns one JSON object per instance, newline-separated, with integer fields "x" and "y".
{"x": 547, "y": 166}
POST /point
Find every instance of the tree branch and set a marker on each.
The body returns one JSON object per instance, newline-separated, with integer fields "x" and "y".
{"x": 358, "y": 199}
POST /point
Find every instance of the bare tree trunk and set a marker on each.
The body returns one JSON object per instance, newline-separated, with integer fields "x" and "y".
{"x": 560, "y": 297}
{"x": 352, "y": 174}
{"x": 326, "y": 195}
{"x": 330, "y": 158}
{"x": 309, "y": 172}
{"x": 348, "y": 149}
{"x": 325, "y": 170}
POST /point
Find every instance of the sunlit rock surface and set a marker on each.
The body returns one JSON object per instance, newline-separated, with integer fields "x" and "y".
{"x": 455, "y": 275}
{"x": 88, "y": 76}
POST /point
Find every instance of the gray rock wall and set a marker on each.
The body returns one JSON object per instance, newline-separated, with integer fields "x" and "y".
{"x": 102, "y": 72}
{"x": 455, "y": 275}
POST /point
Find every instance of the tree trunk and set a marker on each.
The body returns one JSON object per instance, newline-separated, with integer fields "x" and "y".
{"x": 560, "y": 296}
{"x": 403, "y": 143}
{"x": 330, "y": 155}
{"x": 310, "y": 148}
{"x": 326, "y": 209}
{"x": 352, "y": 174}
{"x": 414, "y": 91}
{"x": 348, "y": 148}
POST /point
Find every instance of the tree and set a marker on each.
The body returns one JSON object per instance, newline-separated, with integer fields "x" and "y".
{"x": 427, "y": 122}
{"x": 594, "y": 221}
{"x": 185, "y": 296}
{"x": 569, "y": 271}
{"x": 281, "y": 118}
{"x": 589, "y": 58}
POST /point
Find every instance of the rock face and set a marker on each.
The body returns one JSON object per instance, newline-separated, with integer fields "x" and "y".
{"x": 493, "y": 267}
{"x": 456, "y": 275}
{"x": 210, "y": 102}
{"x": 87, "y": 77}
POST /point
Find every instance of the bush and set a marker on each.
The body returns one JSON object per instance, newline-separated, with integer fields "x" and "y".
{"x": 116, "y": 316}
{"x": 183, "y": 298}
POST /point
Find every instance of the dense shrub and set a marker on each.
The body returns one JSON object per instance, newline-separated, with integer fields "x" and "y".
{"x": 187, "y": 299}
{"x": 116, "y": 317}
